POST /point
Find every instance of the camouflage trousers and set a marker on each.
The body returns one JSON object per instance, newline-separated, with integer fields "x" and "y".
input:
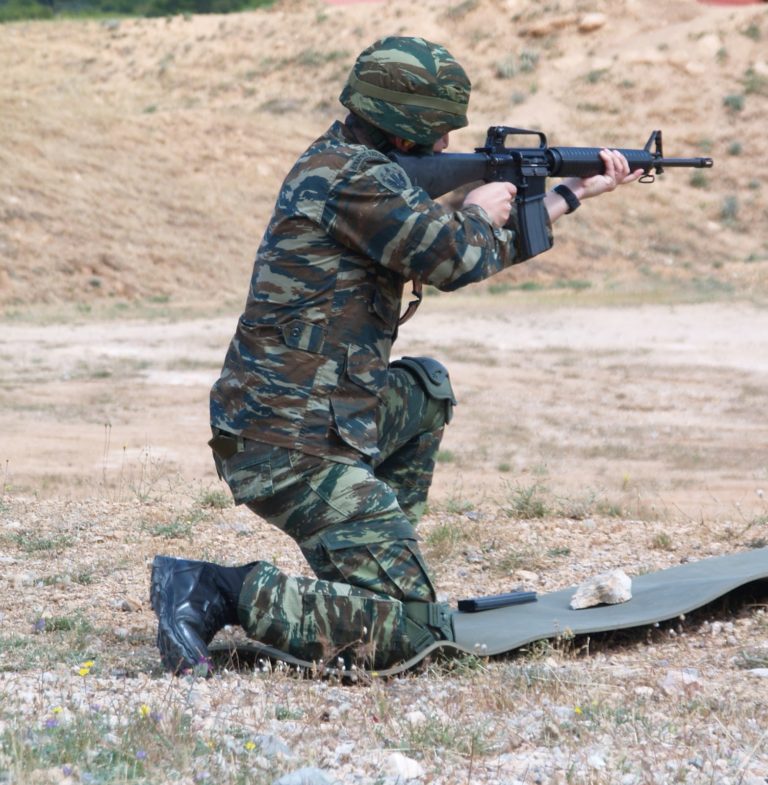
{"x": 373, "y": 599}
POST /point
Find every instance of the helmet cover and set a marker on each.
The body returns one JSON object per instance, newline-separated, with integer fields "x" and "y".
{"x": 408, "y": 87}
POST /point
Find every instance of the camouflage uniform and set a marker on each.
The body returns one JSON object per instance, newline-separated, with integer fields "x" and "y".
{"x": 326, "y": 440}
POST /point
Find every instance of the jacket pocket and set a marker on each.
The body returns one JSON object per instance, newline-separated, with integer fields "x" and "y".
{"x": 355, "y": 401}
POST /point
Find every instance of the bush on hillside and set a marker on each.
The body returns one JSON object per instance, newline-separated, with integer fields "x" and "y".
{"x": 13, "y": 10}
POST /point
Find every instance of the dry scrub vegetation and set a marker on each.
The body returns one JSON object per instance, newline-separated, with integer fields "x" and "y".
{"x": 612, "y": 398}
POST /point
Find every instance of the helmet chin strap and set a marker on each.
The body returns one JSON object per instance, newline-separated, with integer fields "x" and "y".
{"x": 368, "y": 134}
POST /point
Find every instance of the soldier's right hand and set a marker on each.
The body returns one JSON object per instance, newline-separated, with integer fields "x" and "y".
{"x": 495, "y": 198}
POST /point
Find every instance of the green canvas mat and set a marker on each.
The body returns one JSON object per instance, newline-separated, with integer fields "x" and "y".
{"x": 656, "y": 597}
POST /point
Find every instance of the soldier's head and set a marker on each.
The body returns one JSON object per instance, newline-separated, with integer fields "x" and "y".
{"x": 409, "y": 88}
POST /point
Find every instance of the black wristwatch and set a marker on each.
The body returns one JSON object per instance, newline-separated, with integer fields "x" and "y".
{"x": 570, "y": 197}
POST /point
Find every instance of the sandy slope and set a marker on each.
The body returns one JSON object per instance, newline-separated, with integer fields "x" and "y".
{"x": 140, "y": 158}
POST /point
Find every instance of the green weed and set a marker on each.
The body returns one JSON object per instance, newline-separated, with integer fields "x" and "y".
{"x": 596, "y": 75}
{"x": 752, "y": 31}
{"x": 32, "y": 542}
{"x": 216, "y": 499}
{"x": 527, "y": 501}
{"x": 755, "y": 83}
{"x": 699, "y": 180}
{"x": 729, "y": 211}
{"x": 461, "y": 9}
{"x": 662, "y": 542}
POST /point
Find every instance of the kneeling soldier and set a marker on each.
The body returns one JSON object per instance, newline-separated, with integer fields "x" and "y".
{"x": 314, "y": 429}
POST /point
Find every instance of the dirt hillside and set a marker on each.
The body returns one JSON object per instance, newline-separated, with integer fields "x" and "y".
{"x": 140, "y": 158}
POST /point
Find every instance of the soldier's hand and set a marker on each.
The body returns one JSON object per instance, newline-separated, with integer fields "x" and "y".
{"x": 495, "y": 198}
{"x": 616, "y": 173}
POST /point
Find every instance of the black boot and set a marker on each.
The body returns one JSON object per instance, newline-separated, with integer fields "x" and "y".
{"x": 193, "y": 600}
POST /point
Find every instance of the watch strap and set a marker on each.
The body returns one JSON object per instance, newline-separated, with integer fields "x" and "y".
{"x": 570, "y": 197}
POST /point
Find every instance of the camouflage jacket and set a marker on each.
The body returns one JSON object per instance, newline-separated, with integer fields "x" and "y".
{"x": 310, "y": 354}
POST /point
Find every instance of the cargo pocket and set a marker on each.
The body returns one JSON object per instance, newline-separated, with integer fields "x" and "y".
{"x": 249, "y": 474}
{"x": 369, "y": 631}
{"x": 392, "y": 568}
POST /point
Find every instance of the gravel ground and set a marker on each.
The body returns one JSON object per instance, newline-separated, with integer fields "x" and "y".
{"x": 83, "y": 699}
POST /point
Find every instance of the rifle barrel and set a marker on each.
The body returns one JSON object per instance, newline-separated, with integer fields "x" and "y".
{"x": 696, "y": 163}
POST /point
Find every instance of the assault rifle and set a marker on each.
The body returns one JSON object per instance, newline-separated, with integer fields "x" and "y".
{"x": 528, "y": 168}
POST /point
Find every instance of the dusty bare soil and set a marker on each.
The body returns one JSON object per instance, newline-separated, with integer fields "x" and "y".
{"x": 653, "y": 406}
{"x": 612, "y": 395}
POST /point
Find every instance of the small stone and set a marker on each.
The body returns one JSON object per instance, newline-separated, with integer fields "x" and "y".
{"x": 527, "y": 577}
{"x": 596, "y": 761}
{"x": 306, "y": 776}
{"x": 129, "y": 605}
{"x": 591, "y": 22}
{"x": 609, "y": 588}
{"x": 685, "y": 681}
{"x": 415, "y": 717}
{"x": 403, "y": 768}
{"x": 272, "y": 746}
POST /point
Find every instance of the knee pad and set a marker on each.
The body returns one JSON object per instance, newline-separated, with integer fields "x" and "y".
{"x": 434, "y": 379}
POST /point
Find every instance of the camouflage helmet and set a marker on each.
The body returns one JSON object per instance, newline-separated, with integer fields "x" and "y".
{"x": 408, "y": 87}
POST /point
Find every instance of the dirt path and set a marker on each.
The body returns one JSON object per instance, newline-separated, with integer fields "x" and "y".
{"x": 655, "y": 406}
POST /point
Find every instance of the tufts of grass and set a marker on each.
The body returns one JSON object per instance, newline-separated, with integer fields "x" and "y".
{"x": 214, "y": 499}
{"x": 596, "y": 75}
{"x": 448, "y": 735}
{"x": 444, "y": 539}
{"x": 662, "y": 542}
{"x": 34, "y": 542}
{"x": 699, "y": 180}
{"x": 461, "y": 9}
{"x": 755, "y": 83}
{"x": 734, "y": 102}
{"x": 527, "y": 501}
{"x": 179, "y": 527}
{"x": 729, "y": 210}
{"x": 525, "y": 62}
{"x": 752, "y": 31}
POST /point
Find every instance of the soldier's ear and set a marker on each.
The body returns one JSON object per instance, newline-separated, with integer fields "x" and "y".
{"x": 403, "y": 145}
